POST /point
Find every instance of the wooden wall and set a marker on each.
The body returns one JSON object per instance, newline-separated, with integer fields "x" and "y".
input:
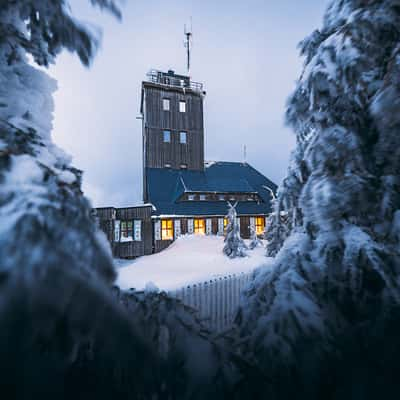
{"x": 106, "y": 218}
{"x": 156, "y": 120}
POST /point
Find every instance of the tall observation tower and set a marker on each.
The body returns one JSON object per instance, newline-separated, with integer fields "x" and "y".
{"x": 173, "y": 128}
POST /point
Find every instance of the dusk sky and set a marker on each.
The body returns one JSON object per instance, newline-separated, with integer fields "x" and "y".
{"x": 245, "y": 53}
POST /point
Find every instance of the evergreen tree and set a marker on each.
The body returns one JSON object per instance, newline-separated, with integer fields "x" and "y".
{"x": 63, "y": 334}
{"x": 255, "y": 241}
{"x": 329, "y": 309}
{"x": 234, "y": 244}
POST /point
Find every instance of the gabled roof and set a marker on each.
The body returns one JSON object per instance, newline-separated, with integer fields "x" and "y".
{"x": 166, "y": 186}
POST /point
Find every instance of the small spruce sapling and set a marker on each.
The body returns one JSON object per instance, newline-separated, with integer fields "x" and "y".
{"x": 234, "y": 244}
{"x": 255, "y": 241}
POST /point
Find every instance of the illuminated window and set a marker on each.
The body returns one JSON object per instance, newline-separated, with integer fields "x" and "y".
{"x": 260, "y": 225}
{"x": 166, "y": 103}
{"x": 182, "y": 106}
{"x": 126, "y": 231}
{"x": 225, "y": 224}
{"x": 183, "y": 166}
{"x": 167, "y": 229}
{"x": 182, "y": 137}
{"x": 200, "y": 226}
{"x": 167, "y": 137}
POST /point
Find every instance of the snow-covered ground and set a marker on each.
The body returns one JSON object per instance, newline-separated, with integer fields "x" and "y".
{"x": 190, "y": 259}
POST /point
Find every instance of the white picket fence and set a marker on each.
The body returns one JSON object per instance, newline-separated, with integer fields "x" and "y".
{"x": 215, "y": 300}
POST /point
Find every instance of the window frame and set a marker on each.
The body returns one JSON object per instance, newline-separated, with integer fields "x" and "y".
{"x": 259, "y": 225}
{"x": 167, "y": 229}
{"x": 182, "y": 106}
{"x": 199, "y": 226}
{"x": 137, "y": 230}
{"x": 166, "y": 134}
{"x": 126, "y": 231}
{"x": 166, "y": 101}
{"x": 183, "y": 134}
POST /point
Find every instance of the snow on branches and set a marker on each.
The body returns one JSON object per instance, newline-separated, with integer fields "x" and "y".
{"x": 234, "y": 244}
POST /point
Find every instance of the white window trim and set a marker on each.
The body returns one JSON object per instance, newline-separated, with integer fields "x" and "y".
{"x": 137, "y": 230}
{"x": 220, "y": 226}
{"x": 208, "y": 226}
{"x": 157, "y": 230}
{"x": 190, "y": 226}
{"x": 117, "y": 230}
{"x": 177, "y": 228}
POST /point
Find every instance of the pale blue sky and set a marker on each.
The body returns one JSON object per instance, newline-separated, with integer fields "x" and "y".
{"x": 245, "y": 54}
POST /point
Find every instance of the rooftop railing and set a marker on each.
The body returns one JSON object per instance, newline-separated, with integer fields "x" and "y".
{"x": 170, "y": 79}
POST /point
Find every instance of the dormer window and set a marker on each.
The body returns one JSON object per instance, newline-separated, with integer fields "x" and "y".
{"x": 182, "y": 106}
{"x": 203, "y": 197}
{"x": 167, "y": 136}
{"x": 166, "y": 104}
{"x": 221, "y": 197}
{"x": 191, "y": 197}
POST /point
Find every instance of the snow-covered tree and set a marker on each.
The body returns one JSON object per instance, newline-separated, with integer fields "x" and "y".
{"x": 319, "y": 318}
{"x": 234, "y": 244}
{"x": 277, "y": 229}
{"x": 255, "y": 241}
{"x": 63, "y": 334}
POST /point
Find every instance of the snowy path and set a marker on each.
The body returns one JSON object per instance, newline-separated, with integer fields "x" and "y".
{"x": 191, "y": 259}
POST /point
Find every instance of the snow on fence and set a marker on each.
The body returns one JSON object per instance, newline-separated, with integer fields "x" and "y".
{"x": 215, "y": 300}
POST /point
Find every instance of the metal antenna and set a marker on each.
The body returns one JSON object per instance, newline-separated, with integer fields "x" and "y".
{"x": 188, "y": 44}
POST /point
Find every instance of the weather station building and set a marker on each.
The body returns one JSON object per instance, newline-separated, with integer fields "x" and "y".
{"x": 182, "y": 194}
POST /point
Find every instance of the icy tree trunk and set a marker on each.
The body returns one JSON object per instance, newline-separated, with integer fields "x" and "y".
{"x": 319, "y": 318}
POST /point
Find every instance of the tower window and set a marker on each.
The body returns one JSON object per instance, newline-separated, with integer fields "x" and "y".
{"x": 182, "y": 106}
{"x": 167, "y": 136}
{"x": 166, "y": 104}
{"x": 182, "y": 137}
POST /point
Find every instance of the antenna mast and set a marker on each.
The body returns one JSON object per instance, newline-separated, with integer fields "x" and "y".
{"x": 188, "y": 44}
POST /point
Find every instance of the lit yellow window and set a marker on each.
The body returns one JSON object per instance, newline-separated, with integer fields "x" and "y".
{"x": 167, "y": 229}
{"x": 200, "y": 226}
{"x": 260, "y": 225}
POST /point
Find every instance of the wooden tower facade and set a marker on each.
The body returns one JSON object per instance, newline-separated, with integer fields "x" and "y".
{"x": 173, "y": 127}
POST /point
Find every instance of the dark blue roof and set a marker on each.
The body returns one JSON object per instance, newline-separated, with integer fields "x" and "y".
{"x": 166, "y": 186}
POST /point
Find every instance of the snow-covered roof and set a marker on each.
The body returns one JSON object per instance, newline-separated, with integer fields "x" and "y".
{"x": 166, "y": 187}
